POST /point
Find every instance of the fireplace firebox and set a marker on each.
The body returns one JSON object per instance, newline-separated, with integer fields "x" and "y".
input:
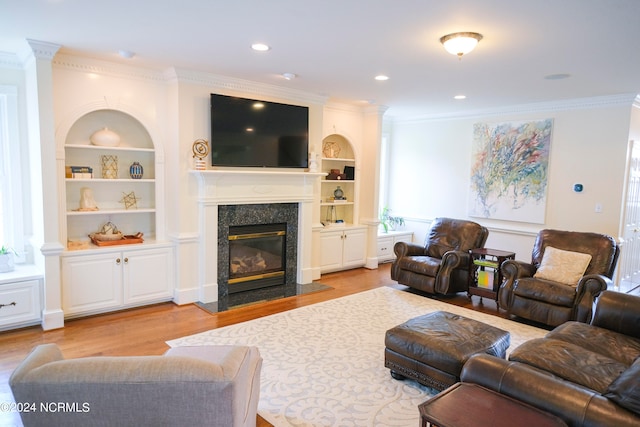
{"x": 267, "y": 251}
{"x": 257, "y": 255}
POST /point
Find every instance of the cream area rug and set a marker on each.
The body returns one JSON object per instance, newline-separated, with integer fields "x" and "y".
{"x": 324, "y": 363}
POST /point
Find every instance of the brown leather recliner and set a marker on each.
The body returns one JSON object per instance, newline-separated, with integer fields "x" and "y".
{"x": 441, "y": 265}
{"x": 550, "y": 302}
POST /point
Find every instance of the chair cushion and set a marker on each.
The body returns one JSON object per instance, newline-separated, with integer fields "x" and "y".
{"x": 570, "y": 362}
{"x": 562, "y": 266}
{"x": 546, "y": 291}
{"x": 424, "y": 265}
{"x": 625, "y": 390}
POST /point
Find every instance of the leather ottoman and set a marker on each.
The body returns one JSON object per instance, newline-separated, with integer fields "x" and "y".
{"x": 432, "y": 349}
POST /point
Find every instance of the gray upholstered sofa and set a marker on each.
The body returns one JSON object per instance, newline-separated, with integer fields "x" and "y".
{"x": 189, "y": 386}
{"x": 586, "y": 374}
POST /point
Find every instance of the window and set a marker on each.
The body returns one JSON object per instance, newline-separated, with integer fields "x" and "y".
{"x": 384, "y": 173}
{"x": 11, "y": 216}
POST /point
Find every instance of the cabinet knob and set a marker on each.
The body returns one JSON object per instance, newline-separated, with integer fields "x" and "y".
{"x": 126, "y": 260}
{"x": 118, "y": 261}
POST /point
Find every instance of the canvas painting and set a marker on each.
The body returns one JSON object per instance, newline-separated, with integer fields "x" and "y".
{"x": 509, "y": 169}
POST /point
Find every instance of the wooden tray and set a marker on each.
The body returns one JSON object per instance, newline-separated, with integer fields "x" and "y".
{"x": 126, "y": 240}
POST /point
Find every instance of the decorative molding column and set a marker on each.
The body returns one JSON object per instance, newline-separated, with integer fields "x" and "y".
{"x": 44, "y": 169}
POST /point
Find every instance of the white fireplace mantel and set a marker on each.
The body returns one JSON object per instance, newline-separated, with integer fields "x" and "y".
{"x": 233, "y": 186}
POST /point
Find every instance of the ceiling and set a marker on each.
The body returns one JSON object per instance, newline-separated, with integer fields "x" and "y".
{"x": 336, "y": 47}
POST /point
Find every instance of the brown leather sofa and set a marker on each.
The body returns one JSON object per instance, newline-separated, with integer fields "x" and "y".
{"x": 547, "y": 301}
{"x": 441, "y": 265}
{"x": 586, "y": 374}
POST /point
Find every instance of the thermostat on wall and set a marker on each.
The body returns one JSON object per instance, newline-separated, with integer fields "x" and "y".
{"x": 578, "y": 188}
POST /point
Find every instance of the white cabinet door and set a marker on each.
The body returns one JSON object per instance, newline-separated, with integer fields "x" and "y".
{"x": 331, "y": 250}
{"x": 99, "y": 283}
{"x": 387, "y": 241}
{"x": 385, "y": 248}
{"x": 354, "y": 248}
{"x": 147, "y": 275}
{"x": 91, "y": 283}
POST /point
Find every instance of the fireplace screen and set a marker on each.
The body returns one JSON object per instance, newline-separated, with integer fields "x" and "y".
{"x": 256, "y": 256}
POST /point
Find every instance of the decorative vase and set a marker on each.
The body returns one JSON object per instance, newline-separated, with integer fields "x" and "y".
{"x": 338, "y": 194}
{"x": 6, "y": 263}
{"x": 313, "y": 162}
{"x": 109, "y": 167}
{"x": 136, "y": 170}
{"x": 105, "y": 138}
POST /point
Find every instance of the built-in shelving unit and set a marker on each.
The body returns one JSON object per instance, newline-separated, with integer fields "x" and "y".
{"x": 337, "y": 154}
{"x": 342, "y": 241}
{"x": 110, "y": 194}
{"x": 103, "y": 278}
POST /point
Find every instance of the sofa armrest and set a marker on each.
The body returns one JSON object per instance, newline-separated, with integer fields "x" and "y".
{"x": 403, "y": 249}
{"x": 39, "y": 356}
{"x": 575, "y": 405}
{"x": 451, "y": 260}
{"x": 618, "y": 312}
{"x": 588, "y": 289}
{"x": 512, "y": 270}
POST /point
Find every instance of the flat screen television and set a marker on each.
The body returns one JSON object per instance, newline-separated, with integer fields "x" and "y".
{"x": 251, "y": 133}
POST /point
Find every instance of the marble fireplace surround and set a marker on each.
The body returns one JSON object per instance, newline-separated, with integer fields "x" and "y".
{"x": 218, "y": 187}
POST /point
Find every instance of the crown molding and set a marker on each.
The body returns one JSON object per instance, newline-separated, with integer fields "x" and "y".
{"x": 10, "y": 61}
{"x": 88, "y": 65}
{"x": 232, "y": 84}
{"x": 608, "y": 101}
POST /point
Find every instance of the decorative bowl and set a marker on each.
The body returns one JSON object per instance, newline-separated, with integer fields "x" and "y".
{"x": 106, "y": 237}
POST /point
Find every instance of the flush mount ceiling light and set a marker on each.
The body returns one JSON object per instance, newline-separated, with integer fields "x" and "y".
{"x": 260, "y": 47}
{"x": 460, "y": 43}
{"x": 289, "y": 76}
{"x": 381, "y": 78}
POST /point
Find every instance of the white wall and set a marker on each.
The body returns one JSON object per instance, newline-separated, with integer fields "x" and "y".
{"x": 430, "y": 169}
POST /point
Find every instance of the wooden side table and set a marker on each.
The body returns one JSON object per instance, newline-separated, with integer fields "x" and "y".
{"x": 485, "y": 276}
{"x": 470, "y": 405}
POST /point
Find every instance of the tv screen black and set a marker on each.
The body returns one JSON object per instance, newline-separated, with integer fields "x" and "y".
{"x": 247, "y": 132}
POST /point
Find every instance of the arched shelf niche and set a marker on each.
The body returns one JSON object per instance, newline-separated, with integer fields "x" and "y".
{"x": 340, "y": 163}
{"x": 130, "y": 202}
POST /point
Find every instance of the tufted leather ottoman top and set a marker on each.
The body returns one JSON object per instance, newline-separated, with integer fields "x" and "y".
{"x": 445, "y": 341}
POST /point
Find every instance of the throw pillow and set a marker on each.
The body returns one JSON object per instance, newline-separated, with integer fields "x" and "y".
{"x": 625, "y": 390}
{"x": 562, "y": 266}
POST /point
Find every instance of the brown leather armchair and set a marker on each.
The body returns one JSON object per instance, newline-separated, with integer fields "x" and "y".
{"x": 441, "y": 265}
{"x": 551, "y": 302}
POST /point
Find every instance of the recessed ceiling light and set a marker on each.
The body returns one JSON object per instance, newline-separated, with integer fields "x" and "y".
{"x": 260, "y": 47}
{"x": 127, "y": 54}
{"x": 382, "y": 78}
{"x": 460, "y": 97}
{"x": 558, "y": 76}
{"x": 289, "y": 76}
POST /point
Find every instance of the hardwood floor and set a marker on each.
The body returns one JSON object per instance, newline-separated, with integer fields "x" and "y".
{"x": 144, "y": 331}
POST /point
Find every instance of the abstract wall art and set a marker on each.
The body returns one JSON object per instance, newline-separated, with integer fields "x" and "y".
{"x": 509, "y": 170}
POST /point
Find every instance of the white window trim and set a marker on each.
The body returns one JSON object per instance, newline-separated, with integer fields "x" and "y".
{"x": 11, "y": 171}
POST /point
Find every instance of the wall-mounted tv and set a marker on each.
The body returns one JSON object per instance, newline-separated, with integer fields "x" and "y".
{"x": 251, "y": 133}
